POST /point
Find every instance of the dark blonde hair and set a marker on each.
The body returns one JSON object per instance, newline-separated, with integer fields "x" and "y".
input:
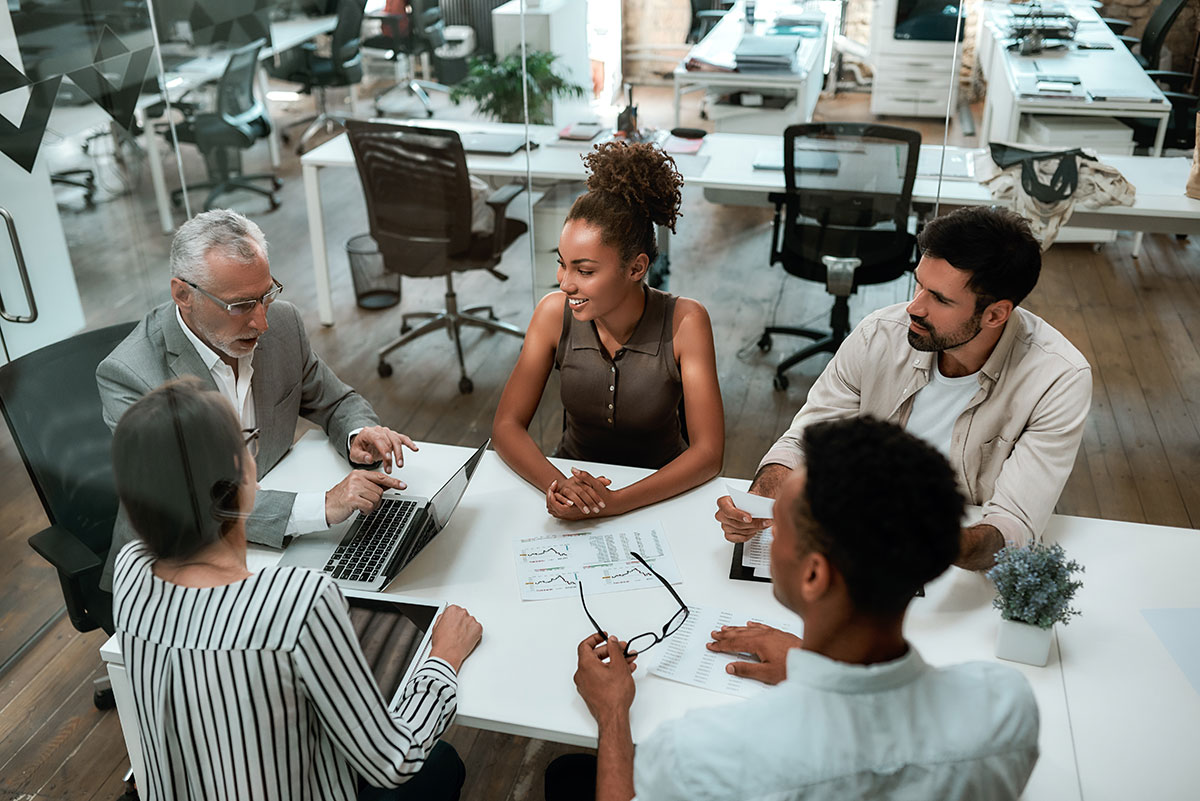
{"x": 177, "y": 459}
{"x": 631, "y": 189}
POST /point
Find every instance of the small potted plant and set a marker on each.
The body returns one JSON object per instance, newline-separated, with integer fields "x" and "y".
{"x": 495, "y": 86}
{"x": 1034, "y": 588}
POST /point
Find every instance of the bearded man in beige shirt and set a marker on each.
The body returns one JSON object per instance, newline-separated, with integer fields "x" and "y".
{"x": 1000, "y": 392}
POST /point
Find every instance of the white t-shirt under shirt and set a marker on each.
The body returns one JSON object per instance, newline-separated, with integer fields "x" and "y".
{"x": 937, "y": 406}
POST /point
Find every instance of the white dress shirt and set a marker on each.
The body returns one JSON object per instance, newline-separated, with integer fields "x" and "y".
{"x": 308, "y": 510}
{"x": 832, "y": 730}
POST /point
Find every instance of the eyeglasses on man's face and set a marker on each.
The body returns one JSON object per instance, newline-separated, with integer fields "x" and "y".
{"x": 644, "y": 642}
{"x": 242, "y": 307}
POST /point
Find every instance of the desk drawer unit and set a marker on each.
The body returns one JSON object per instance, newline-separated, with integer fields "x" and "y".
{"x": 912, "y": 87}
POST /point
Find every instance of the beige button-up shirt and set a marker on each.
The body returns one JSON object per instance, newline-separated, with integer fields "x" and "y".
{"x": 1014, "y": 445}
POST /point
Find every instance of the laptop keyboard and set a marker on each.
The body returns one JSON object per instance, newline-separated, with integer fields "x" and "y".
{"x": 364, "y": 557}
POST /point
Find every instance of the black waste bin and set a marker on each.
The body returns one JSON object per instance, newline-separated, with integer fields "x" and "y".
{"x": 375, "y": 287}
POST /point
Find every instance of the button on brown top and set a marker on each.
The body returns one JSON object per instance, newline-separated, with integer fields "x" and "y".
{"x": 623, "y": 410}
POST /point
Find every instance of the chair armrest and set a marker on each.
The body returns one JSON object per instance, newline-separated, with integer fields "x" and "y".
{"x": 500, "y": 199}
{"x": 1117, "y": 26}
{"x": 1175, "y": 80}
{"x": 70, "y": 557}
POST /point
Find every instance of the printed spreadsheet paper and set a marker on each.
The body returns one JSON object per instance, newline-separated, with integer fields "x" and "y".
{"x": 552, "y": 565}
{"x": 684, "y": 656}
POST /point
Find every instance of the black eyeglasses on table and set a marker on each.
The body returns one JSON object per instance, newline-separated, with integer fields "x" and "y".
{"x": 643, "y": 642}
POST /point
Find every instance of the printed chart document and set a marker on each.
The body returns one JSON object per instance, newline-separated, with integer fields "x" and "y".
{"x": 686, "y": 658}
{"x": 552, "y": 565}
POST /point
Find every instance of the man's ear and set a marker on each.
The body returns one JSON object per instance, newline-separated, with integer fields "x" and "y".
{"x": 997, "y": 314}
{"x": 639, "y": 266}
{"x": 817, "y": 575}
{"x": 182, "y": 294}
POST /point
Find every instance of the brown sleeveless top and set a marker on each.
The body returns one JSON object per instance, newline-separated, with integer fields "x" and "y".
{"x": 624, "y": 409}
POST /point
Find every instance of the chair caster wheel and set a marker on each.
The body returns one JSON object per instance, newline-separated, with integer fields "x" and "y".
{"x": 780, "y": 382}
{"x": 274, "y": 203}
{"x": 384, "y": 369}
{"x": 405, "y": 328}
{"x": 764, "y": 343}
{"x": 429, "y": 112}
{"x": 104, "y": 699}
{"x": 492, "y": 316}
{"x": 277, "y": 183}
{"x": 465, "y": 386}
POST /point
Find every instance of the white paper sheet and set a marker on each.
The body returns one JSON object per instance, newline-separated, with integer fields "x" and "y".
{"x": 685, "y": 658}
{"x": 552, "y": 565}
{"x": 755, "y": 505}
{"x": 1179, "y": 630}
{"x": 756, "y": 553}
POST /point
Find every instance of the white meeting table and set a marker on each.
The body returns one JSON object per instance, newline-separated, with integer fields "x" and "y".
{"x": 1113, "y": 674}
{"x": 724, "y": 168}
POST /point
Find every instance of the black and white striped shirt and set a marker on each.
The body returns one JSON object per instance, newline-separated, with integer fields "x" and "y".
{"x": 259, "y": 689}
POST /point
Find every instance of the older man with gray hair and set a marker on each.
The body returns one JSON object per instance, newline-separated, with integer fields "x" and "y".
{"x": 226, "y": 325}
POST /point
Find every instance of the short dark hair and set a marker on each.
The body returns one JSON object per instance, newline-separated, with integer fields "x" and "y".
{"x": 177, "y": 459}
{"x": 882, "y": 506}
{"x": 631, "y": 189}
{"x": 995, "y": 246}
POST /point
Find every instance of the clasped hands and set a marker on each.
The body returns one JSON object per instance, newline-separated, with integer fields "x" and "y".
{"x": 361, "y": 489}
{"x": 581, "y": 496}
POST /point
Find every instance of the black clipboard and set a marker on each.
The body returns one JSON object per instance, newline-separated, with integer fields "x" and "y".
{"x": 739, "y": 571}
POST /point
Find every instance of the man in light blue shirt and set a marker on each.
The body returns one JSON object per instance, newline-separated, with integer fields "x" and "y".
{"x": 857, "y": 713}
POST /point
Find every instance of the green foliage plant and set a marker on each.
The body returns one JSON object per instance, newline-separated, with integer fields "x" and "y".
{"x": 495, "y": 86}
{"x": 1034, "y": 584}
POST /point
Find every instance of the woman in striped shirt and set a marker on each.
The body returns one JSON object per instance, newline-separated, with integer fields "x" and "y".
{"x": 253, "y": 686}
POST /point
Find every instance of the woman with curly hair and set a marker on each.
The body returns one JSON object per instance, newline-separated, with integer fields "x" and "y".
{"x": 631, "y": 358}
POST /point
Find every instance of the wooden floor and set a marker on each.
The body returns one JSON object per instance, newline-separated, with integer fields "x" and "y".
{"x": 1137, "y": 321}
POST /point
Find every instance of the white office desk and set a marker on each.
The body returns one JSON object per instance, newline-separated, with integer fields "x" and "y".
{"x": 724, "y": 168}
{"x": 1116, "y": 712}
{"x": 1102, "y": 72}
{"x": 718, "y": 47}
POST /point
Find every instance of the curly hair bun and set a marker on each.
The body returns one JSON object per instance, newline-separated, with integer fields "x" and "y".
{"x": 641, "y": 175}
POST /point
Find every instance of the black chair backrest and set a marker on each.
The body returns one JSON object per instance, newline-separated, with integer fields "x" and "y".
{"x": 1157, "y": 27}
{"x": 848, "y": 193}
{"x": 418, "y": 194}
{"x": 235, "y": 92}
{"x": 52, "y": 406}
{"x": 346, "y": 48}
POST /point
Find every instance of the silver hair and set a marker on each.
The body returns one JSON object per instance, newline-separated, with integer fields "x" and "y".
{"x": 223, "y": 230}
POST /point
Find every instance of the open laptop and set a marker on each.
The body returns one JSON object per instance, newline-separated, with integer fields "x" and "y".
{"x": 378, "y": 545}
{"x": 494, "y": 143}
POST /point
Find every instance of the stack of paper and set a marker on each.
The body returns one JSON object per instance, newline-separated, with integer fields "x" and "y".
{"x": 766, "y": 53}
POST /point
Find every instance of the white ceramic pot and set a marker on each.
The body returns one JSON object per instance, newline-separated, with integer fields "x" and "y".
{"x": 1021, "y": 642}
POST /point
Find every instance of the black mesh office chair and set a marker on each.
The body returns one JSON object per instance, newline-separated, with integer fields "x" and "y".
{"x": 705, "y": 16}
{"x": 1181, "y": 125}
{"x": 240, "y": 120}
{"x": 342, "y": 67}
{"x": 1149, "y": 47}
{"x": 842, "y": 219}
{"x": 50, "y": 402}
{"x": 419, "y": 205}
{"x": 414, "y": 34}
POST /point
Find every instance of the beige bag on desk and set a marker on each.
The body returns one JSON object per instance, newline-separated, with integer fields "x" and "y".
{"x": 1193, "y": 184}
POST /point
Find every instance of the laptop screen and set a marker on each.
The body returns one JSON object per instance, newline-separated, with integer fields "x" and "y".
{"x": 442, "y": 504}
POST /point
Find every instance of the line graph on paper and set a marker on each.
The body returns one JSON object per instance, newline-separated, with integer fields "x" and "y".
{"x": 554, "y": 565}
{"x": 548, "y": 581}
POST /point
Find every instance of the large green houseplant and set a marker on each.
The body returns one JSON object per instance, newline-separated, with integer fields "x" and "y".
{"x": 496, "y": 86}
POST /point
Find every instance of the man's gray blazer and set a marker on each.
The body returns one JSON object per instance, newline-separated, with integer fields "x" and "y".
{"x": 289, "y": 381}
